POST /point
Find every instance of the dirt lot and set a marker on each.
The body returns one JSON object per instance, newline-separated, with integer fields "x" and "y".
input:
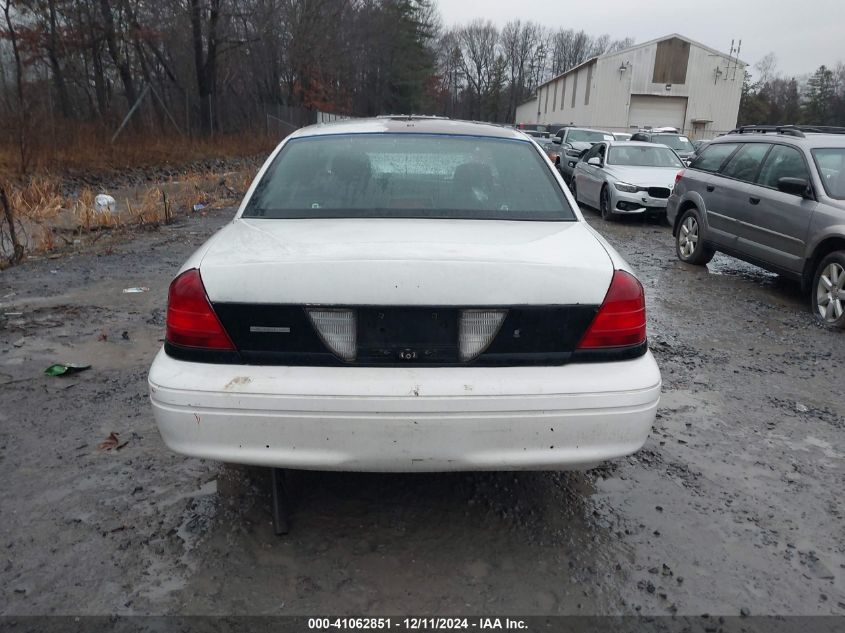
{"x": 735, "y": 502}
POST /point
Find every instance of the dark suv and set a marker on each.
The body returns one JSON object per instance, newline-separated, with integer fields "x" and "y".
{"x": 772, "y": 196}
{"x": 678, "y": 142}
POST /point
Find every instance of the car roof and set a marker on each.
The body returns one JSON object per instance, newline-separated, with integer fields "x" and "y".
{"x": 809, "y": 140}
{"x": 410, "y": 125}
{"x": 589, "y": 129}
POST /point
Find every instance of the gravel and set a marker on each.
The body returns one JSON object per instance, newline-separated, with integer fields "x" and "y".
{"x": 733, "y": 506}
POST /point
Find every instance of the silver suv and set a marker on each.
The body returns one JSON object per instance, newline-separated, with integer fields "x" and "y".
{"x": 574, "y": 143}
{"x": 774, "y": 197}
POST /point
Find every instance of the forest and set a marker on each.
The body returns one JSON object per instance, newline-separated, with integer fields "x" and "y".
{"x": 73, "y": 69}
{"x": 236, "y": 75}
{"x": 771, "y": 97}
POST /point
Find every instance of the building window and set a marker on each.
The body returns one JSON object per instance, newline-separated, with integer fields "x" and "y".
{"x": 546, "y": 107}
{"x": 562, "y": 93}
{"x": 574, "y": 88}
{"x": 554, "y": 98}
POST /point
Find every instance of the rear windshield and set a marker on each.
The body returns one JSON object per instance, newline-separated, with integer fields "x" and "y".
{"x": 409, "y": 176}
{"x": 587, "y": 136}
{"x": 643, "y": 156}
{"x": 678, "y": 143}
{"x": 831, "y": 164}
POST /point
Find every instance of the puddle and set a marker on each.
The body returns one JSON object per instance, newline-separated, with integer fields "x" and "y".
{"x": 730, "y": 267}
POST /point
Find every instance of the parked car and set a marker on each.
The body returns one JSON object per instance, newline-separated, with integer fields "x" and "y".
{"x": 397, "y": 294}
{"x": 552, "y": 149}
{"x": 775, "y": 197}
{"x": 554, "y": 128}
{"x": 698, "y": 147}
{"x": 622, "y": 136}
{"x": 531, "y": 127}
{"x": 681, "y": 144}
{"x": 574, "y": 142}
{"x": 626, "y": 177}
{"x": 536, "y": 134}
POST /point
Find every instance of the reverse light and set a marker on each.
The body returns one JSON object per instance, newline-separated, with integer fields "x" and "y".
{"x": 337, "y": 329}
{"x": 191, "y": 321}
{"x": 620, "y": 321}
{"x": 476, "y": 329}
{"x": 626, "y": 187}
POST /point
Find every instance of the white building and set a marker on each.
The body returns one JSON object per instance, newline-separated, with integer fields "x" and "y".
{"x": 671, "y": 81}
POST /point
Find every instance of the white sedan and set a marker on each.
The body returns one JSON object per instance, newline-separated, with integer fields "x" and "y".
{"x": 406, "y": 294}
{"x": 626, "y": 177}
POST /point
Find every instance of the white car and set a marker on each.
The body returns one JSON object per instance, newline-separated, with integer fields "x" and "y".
{"x": 626, "y": 177}
{"x": 402, "y": 294}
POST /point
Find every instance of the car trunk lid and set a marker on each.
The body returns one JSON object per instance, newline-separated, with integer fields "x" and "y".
{"x": 405, "y": 262}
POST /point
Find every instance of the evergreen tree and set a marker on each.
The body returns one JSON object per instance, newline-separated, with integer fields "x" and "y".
{"x": 753, "y": 108}
{"x": 820, "y": 97}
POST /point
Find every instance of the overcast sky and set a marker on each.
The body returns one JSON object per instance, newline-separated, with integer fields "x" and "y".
{"x": 803, "y": 34}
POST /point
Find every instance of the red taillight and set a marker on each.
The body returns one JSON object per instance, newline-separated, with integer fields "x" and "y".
{"x": 620, "y": 321}
{"x": 678, "y": 176}
{"x": 191, "y": 321}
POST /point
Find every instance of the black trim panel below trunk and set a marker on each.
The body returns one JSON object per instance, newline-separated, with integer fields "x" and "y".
{"x": 267, "y": 334}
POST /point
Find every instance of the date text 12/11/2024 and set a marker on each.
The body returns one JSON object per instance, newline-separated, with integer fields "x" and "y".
{"x": 416, "y": 624}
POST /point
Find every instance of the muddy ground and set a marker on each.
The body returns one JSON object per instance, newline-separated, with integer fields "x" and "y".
{"x": 734, "y": 504}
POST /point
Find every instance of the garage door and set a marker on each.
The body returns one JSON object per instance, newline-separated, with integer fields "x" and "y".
{"x": 650, "y": 111}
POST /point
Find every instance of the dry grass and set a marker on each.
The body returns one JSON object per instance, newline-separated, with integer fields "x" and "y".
{"x": 39, "y": 199}
{"x": 87, "y": 149}
{"x": 49, "y": 220}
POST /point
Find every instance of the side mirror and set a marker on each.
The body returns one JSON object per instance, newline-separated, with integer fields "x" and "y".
{"x": 556, "y": 140}
{"x": 595, "y": 160}
{"x": 795, "y": 186}
{"x": 583, "y": 151}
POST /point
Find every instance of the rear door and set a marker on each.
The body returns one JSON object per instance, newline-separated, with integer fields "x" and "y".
{"x": 716, "y": 192}
{"x": 774, "y": 223}
{"x": 733, "y": 189}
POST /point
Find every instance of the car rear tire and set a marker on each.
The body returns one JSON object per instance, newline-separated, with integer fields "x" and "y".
{"x": 689, "y": 245}
{"x": 604, "y": 205}
{"x": 827, "y": 297}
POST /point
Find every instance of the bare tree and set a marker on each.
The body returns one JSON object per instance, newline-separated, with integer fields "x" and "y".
{"x": 478, "y": 43}
{"x": 19, "y": 106}
{"x": 520, "y": 44}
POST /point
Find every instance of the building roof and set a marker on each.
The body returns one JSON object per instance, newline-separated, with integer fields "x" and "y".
{"x": 634, "y": 47}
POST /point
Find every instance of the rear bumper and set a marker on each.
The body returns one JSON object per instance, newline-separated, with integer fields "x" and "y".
{"x": 415, "y": 419}
{"x": 672, "y": 210}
